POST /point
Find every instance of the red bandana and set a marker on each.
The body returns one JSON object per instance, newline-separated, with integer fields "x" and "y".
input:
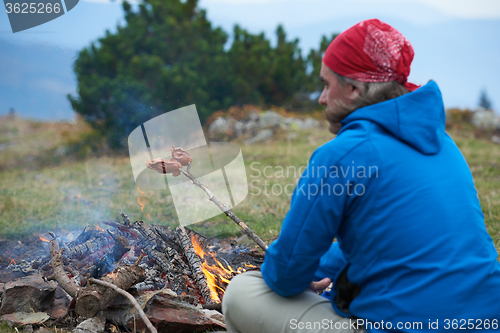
{"x": 371, "y": 51}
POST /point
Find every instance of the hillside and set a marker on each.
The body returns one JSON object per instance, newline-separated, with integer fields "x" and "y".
{"x": 44, "y": 187}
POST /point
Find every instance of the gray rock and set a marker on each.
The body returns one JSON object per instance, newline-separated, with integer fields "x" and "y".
{"x": 28, "y": 294}
{"x": 251, "y": 126}
{"x": 295, "y": 123}
{"x": 25, "y": 318}
{"x": 310, "y": 123}
{"x": 219, "y": 125}
{"x": 253, "y": 116}
{"x": 485, "y": 119}
{"x": 91, "y": 325}
{"x": 43, "y": 330}
{"x": 166, "y": 311}
{"x": 223, "y": 128}
{"x": 270, "y": 119}
{"x": 262, "y": 136}
{"x": 239, "y": 128}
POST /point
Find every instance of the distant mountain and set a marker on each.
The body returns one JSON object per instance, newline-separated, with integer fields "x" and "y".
{"x": 35, "y": 80}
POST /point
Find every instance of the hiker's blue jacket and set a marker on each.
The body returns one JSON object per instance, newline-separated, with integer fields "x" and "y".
{"x": 398, "y": 195}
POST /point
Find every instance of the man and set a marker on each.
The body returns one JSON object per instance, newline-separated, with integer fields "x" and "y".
{"x": 413, "y": 253}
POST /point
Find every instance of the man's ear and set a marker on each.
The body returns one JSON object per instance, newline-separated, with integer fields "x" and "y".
{"x": 353, "y": 92}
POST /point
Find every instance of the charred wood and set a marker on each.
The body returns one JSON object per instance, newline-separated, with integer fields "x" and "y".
{"x": 90, "y": 246}
{"x": 217, "y": 307}
{"x": 93, "y": 298}
{"x": 126, "y": 220}
{"x": 105, "y": 264}
{"x": 195, "y": 264}
{"x": 164, "y": 255}
{"x": 87, "y": 234}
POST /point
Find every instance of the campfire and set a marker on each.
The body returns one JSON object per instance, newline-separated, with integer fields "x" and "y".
{"x": 175, "y": 279}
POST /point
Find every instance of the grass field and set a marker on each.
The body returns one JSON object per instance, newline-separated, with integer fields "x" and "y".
{"x": 42, "y": 188}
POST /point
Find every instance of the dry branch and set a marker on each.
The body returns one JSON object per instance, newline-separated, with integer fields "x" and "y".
{"x": 59, "y": 274}
{"x": 130, "y": 298}
{"x": 250, "y": 233}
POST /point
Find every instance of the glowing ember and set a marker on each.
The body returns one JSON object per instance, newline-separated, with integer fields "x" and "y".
{"x": 44, "y": 239}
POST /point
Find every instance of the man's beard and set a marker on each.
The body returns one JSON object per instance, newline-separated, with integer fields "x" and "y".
{"x": 335, "y": 114}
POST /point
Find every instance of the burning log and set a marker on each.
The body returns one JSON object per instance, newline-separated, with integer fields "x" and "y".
{"x": 87, "y": 234}
{"x": 161, "y": 166}
{"x": 99, "y": 241}
{"x": 148, "y": 244}
{"x": 153, "y": 242}
{"x": 88, "y": 242}
{"x": 103, "y": 266}
{"x": 195, "y": 264}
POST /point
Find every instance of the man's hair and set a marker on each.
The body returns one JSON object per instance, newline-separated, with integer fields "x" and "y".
{"x": 371, "y": 92}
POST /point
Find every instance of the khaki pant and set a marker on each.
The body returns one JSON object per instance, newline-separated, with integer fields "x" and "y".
{"x": 249, "y": 305}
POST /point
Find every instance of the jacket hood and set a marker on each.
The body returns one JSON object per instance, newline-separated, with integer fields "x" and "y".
{"x": 417, "y": 118}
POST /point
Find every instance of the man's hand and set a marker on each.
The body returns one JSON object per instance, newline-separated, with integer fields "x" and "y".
{"x": 320, "y": 285}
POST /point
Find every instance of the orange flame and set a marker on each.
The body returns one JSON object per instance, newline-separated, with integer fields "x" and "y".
{"x": 97, "y": 227}
{"x": 44, "y": 239}
{"x": 142, "y": 201}
{"x": 215, "y": 274}
{"x": 12, "y": 261}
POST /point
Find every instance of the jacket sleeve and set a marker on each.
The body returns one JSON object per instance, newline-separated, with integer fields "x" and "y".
{"x": 330, "y": 263}
{"x": 308, "y": 229}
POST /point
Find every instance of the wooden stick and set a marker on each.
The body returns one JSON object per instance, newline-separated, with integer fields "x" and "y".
{"x": 132, "y": 300}
{"x": 250, "y": 233}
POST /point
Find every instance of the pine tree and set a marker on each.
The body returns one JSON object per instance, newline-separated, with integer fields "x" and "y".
{"x": 484, "y": 100}
{"x": 168, "y": 55}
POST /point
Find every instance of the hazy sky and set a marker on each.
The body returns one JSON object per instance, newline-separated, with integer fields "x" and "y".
{"x": 456, "y": 8}
{"x": 91, "y": 18}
